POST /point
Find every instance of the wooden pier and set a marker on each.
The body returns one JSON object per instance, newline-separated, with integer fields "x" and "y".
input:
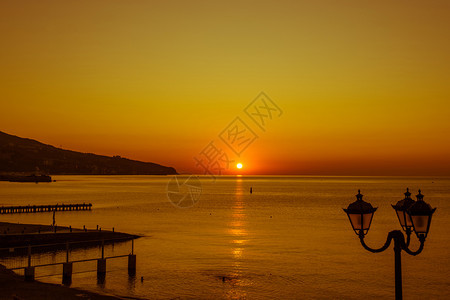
{"x": 44, "y": 208}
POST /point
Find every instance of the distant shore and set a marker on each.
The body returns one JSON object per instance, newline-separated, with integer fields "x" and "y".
{"x": 26, "y": 155}
{"x": 13, "y": 286}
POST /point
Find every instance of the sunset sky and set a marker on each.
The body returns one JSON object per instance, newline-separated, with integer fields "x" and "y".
{"x": 364, "y": 86}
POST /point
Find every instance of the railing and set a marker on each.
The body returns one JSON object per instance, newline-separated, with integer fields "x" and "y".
{"x": 30, "y": 257}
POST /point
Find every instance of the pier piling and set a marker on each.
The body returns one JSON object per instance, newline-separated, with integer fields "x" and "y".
{"x": 132, "y": 264}
{"x": 67, "y": 273}
{"x": 29, "y": 274}
{"x": 29, "y": 256}
{"x": 101, "y": 267}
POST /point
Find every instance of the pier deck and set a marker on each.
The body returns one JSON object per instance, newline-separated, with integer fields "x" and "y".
{"x": 44, "y": 208}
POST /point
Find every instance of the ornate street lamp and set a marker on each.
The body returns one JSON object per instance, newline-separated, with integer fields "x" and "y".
{"x": 401, "y": 209}
{"x": 360, "y": 214}
{"x": 420, "y": 214}
{"x": 412, "y": 215}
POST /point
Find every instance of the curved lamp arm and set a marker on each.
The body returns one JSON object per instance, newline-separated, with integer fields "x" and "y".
{"x": 408, "y": 236}
{"x": 407, "y": 250}
{"x": 399, "y": 238}
{"x": 385, "y": 246}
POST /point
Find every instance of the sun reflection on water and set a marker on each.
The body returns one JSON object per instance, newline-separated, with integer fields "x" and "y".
{"x": 237, "y": 230}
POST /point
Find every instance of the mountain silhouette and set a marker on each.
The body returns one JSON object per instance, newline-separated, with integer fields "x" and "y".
{"x": 22, "y": 155}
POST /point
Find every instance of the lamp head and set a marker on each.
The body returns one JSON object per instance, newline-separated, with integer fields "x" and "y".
{"x": 420, "y": 214}
{"x": 401, "y": 209}
{"x": 360, "y": 214}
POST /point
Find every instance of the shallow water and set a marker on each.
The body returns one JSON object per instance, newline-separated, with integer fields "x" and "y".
{"x": 289, "y": 239}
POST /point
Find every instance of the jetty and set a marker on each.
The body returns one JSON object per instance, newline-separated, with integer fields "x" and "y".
{"x": 23, "y": 251}
{"x": 44, "y": 208}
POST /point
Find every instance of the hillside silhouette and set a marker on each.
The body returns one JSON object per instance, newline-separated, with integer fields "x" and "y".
{"x": 22, "y": 155}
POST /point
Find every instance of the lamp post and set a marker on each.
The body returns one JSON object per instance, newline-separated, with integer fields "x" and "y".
{"x": 412, "y": 216}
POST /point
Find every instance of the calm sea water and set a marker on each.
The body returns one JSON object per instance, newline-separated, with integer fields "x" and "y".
{"x": 289, "y": 239}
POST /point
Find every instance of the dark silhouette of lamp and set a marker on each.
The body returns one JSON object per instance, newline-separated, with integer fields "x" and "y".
{"x": 401, "y": 209}
{"x": 412, "y": 215}
{"x": 420, "y": 214}
{"x": 360, "y": 214}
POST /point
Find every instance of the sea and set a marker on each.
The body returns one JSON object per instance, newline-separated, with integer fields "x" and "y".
{"x": 210, "y": 238}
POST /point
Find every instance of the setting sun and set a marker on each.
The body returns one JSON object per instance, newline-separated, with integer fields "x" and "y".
{"x": 239, "y": 166}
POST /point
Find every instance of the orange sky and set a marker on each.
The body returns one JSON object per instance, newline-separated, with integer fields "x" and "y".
{"x": 363, "y": 85}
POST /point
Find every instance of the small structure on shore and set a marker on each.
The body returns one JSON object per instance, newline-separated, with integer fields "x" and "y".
{"x": 26, "y": 178}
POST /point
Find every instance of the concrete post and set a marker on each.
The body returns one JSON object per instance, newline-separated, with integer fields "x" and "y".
{"x": 101, "y": 266}
{"x": 29, "y": 256}
{"x": 29, "y": 271}
{"x": 67, "y": 251}
{"x": 67, "y": 273}
{"x": 131, "y": 264}
{"x": 29, "y": 274}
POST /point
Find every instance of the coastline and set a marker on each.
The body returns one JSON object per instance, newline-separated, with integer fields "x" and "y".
{"x": 14, "y": 286}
